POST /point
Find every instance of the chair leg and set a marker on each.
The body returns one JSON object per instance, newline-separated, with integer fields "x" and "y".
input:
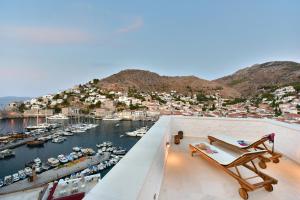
{"x": 243, "y": 193}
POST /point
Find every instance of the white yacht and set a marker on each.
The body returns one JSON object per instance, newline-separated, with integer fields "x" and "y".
{"x": 68, "y": 133}
{"x": 138, "y": 133}
{"x": 62, "y": 159}
{"x": 76, "y": 149}
{"x": 58, "y": 139}
{"x": 28, "y": 171}
{"x": 58, "y": 117}
{"x": 22, "y": 174}
{"x": 16, "y": 177}
{"x": 111, "y": 118}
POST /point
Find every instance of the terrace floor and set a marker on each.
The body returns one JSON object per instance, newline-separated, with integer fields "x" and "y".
{"x": 188, "y": 177}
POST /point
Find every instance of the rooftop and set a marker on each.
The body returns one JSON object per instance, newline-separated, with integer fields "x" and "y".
{"x": 153, "y": 170}
{"x": 188, "y": 177}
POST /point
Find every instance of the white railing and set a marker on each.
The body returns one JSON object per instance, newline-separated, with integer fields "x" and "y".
{"x": 140, "y": 173}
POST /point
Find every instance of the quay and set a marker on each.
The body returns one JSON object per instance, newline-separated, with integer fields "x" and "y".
{"x": 55, "y": 174}
{"x": 23, "y": 141}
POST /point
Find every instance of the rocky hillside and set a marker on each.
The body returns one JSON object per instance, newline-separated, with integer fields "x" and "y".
{"x": 250, "y": 80}
{"x": 148, "y": 81}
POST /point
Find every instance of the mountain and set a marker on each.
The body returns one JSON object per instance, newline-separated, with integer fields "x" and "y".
{"x": 249, "y": 80}
{"x": 147, "y": 81}
{"x": 6, "y": 100}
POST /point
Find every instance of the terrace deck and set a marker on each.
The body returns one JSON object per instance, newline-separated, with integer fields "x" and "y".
{"x": 188, "y": 177}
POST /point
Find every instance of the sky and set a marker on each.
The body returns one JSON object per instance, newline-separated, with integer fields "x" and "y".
{"x": 48, "y": 46}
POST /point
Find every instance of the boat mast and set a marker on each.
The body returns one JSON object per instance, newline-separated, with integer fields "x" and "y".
{"x": 46, "y": 115}
{"x": 37, "y": 118}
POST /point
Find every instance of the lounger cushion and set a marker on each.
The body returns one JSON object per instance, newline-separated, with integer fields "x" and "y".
{"x": 238, "y": 142}
{"x": 215, "y": 153}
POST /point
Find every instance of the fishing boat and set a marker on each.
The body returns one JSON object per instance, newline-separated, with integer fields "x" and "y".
{"x": 35, "y": 143}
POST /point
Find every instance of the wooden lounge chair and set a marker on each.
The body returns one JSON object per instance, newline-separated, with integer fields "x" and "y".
{"x": 228, "y": 163}
{"x": 245, "y": 146}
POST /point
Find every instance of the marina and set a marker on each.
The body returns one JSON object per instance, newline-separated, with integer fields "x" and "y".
{"x": 105, "y": 134}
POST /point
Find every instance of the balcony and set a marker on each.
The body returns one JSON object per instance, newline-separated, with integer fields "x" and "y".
{"x": 153, "y": 170}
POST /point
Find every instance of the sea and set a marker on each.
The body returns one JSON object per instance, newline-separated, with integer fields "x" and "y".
{"x": 106, "y": 131}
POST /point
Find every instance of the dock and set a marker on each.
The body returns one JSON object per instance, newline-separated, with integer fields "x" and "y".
{"x": 55, "y": 174}
{"x": 23, "y": 141}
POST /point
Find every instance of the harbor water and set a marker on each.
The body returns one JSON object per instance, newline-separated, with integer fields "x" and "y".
{"x": 106, "y": 131}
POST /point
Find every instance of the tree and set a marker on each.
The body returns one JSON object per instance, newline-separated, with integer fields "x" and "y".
{"x": 213, "y": 107}
{"x": 21, "y": 107}
{"x": 95, "y": 81}
{"x": 277, "y": 111}
{"x": 57, "y": 109}
{"x": 56, "y": 96}
{"x": 201, "y": 97}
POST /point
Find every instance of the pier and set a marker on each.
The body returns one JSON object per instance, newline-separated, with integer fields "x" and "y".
{"x": 23, "y": 141}
{"x": 55, "y": 174}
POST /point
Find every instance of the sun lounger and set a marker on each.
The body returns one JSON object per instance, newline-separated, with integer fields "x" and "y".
{"x": 230, "y": 165}
{"x": 248, "y": 145}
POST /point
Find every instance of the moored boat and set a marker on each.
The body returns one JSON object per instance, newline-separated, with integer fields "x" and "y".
{"x": 58, "y": 139}
{"x": 35, "y": 143}
{"x": 28, "y": 171}
{"x": 53, "y": 162}
{"x": 62, "y": 159}
{"x": 8, "y": 180}
{"x": 7, "y": 153}
{"x": 76, "y": 149}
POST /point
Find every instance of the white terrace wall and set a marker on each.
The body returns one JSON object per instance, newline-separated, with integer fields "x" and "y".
{"x": 140, "y": 173}
{"x": 138, "y": 176}
{"x": 287, "y": 139}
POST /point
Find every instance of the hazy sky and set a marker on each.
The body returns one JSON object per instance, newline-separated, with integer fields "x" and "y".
{"x": 47, "y": 46}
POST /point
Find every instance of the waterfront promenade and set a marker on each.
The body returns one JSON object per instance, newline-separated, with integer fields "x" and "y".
{"x": 55, "y": 174}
